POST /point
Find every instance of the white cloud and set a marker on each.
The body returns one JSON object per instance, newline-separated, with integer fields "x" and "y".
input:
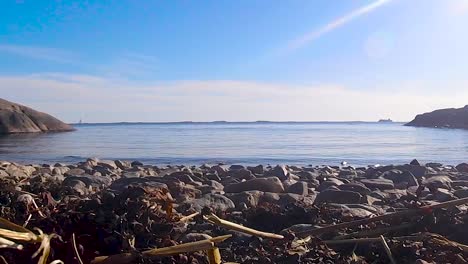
{"x": 39, "y": 53}
{"x": 456, "y": 8}
{"x": 97, "y": 99}
{"x": 341, "y": 21}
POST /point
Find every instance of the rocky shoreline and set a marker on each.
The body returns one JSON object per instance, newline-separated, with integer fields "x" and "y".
{"x": 442, "y": 118}
{"x": 104, "y": 208}
{"x": 16, "y": 118}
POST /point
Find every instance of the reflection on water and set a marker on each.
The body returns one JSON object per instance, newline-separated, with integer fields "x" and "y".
{"x": 252, "y": 143}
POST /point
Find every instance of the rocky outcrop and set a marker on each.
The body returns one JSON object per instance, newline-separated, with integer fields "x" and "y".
{"x": 443, "y": 118}
{"x": 15, "y": 118}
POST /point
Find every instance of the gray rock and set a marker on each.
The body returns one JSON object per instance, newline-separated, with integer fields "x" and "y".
{"x": 350, "y": 211}
{"x": 192, "y": 237}
{"x": 442, "y": 195}
{"x": 388, "y": 194}
{"x": 102, "y": 170}
{"x": 257, "y": 169}
{"x": 339, "y": 197}
{"x": 434, "y": 165}
{"x": 417, "y": 171}
{"x": 213, "y": 176}
{"x": 76, "y": 185}
{"x": 109, "y": 164}
{"x": 17, "y": 171}
{"x": 3, "y": 174}
{"x": 355, "y": 187}
{"x": 60, "y": 170}
{"x": 459, "y": 183}
{"x": 75, "y": 172}
{"x": 347, "y": 174}
{"x": 288, "y": 182}
{"x": 443, "y": 118}
{"x": 221, "y": 170}
{"x": 308, "y": 175}
{"x": 398, "y": 176}
{"x": 131, "y": 174}
{"x": 136, "y": 163}
{"x": 236, "y": 167}
{"x": 269, "y": 197}
{"x": 328, "y": 183}
{"x": 16, "y": 118}
{"x": 463, "y": 167}
{"x": 279, "y": 171}
{"x": 250, "y": 198}
{"x": 181, "y": 176}
{"x": 462, "y": 193}
{"x": 216, "y": 202}
{"x": 300, "y": 188}
{"x": 441, "y": 181}
{"x": 90, "y": 180}
{"x": 241, "y": 174}
{"x": 122, "y": 164}
{"x": 271, "y": 184}
{"x": 381, "y": 184}
{"x": 123, "y": 183}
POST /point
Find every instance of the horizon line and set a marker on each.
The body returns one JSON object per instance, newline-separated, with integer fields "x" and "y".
{"x": 226, "y": 122}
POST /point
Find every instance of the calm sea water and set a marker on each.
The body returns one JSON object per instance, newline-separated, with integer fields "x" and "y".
{"x": 242, "y": 143}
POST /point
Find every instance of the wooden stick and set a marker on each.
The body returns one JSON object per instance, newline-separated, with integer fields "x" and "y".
{"x": 127, "y": 258}
{"x": 420, "y": 211}
{"x": 214, "y": 257}
{"x": 188, "y": 217}
{"x": 240, "y": 228}
{"x": 75, "y": 249}
{"x": 387, "y": 250}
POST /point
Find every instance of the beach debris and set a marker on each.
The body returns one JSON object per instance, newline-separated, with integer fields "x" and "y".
{"x": 239, "y": 228}
{"x": 181, "y": 214}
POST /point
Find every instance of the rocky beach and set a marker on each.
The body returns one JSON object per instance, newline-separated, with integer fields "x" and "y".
{"x": 411, "y": 213}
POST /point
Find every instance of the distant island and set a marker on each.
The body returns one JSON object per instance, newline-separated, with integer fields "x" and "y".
{"x": 385, "y": 121}
{"x": 442, "y": 118}
{"x": 16, "y": 118}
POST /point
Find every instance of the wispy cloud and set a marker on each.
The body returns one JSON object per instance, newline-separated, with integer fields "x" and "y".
{"x": 39, "y": 53}
{"x": 94, "y": 98}
{"x": 131, "y": 64}
{"x": 341, "y": 21}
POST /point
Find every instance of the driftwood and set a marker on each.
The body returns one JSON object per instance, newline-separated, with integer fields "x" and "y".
{"x": 387, "y": 250}
{"x": 240, "y": 228}
{"x": 427, "y": 237}
{"x": 420, "y": 211}
{"x": 214, "y": 257}
{"x": 377, "y": 232}
{"x": 188, "y": 217}
{"x": 128, "y": 258}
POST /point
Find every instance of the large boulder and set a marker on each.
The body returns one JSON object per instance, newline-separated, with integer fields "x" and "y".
{"x": 381, "y": 184}
{"x": 270, "y": 184}
{"x": 15, "y": 118}
{"x": 463, "y": 167}
{"x": 398, "y": 176}
{"x": 443, "y": 118}
{"x": 439, "y": 181}
{"x": 216, "y": 202}
{"x": 339, "y": 197}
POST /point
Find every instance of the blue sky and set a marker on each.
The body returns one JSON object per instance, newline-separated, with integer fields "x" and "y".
{"x": 123, "y": 60}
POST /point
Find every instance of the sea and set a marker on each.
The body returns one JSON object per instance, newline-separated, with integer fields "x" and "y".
{"x": 268, "y": 143}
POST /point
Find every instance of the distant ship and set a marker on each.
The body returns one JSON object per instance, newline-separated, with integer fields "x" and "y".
{"x": 385, "y": 121}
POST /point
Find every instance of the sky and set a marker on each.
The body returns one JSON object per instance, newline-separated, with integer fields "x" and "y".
{"x": 243, "y": 60}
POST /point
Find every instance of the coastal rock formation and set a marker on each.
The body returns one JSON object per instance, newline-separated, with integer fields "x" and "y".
{"x": 443, "y": 118}
{"x": 15, "y": 118}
